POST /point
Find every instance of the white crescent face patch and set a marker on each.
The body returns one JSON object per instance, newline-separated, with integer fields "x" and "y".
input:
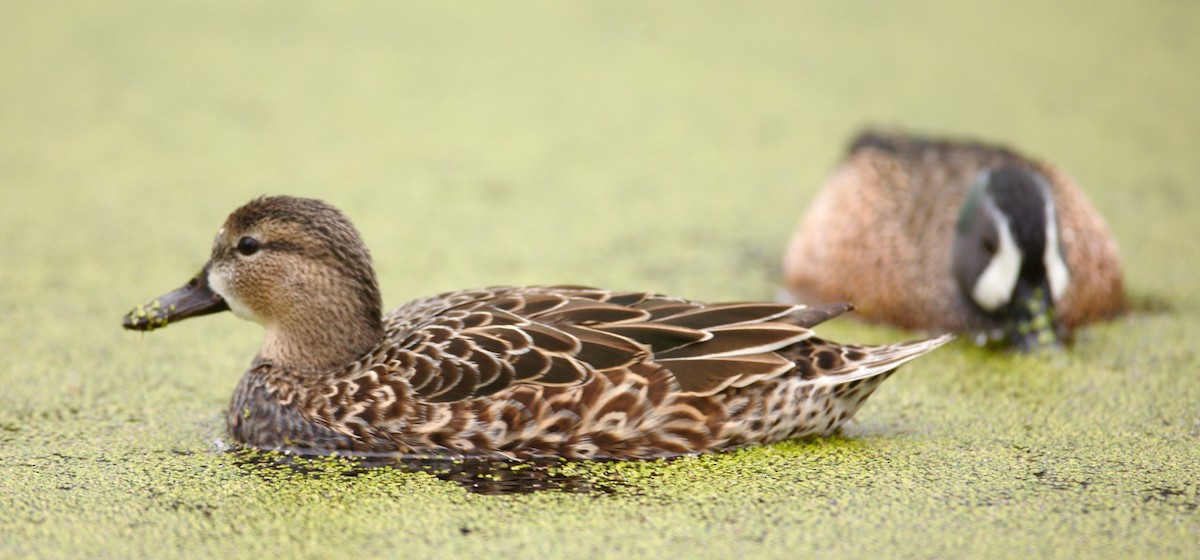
{"x": 995, "y": 285}
{"x": 1057, "y": 272}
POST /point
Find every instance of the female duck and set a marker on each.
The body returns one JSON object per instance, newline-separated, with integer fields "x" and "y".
{"x": 506, "y": 372}
{"x": 955, "y": 236}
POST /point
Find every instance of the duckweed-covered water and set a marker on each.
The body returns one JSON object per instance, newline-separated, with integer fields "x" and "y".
{"x": 668, "y": 146}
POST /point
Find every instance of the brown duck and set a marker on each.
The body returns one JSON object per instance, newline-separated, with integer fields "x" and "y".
{"x": 957, "y": 237}
{"x": 509, "y": 372}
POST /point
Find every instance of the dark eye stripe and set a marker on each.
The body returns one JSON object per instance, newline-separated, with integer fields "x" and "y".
{"x": 282, "y": 246}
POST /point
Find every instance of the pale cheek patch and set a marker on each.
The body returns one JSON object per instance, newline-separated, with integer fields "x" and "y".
{"x": 217, "y": 282}
{"x": 1056, "y": 267}
{"x": 995, "y": 285}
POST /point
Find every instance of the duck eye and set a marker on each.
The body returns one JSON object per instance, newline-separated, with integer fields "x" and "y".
{"x": 989, "y": 245}
{"x": 247, "y": 246}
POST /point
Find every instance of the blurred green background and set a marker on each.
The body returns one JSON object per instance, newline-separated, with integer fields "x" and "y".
{"x": 668, "y": 146}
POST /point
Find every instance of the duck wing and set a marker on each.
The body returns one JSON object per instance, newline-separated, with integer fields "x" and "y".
{"x": 471, "y": 344}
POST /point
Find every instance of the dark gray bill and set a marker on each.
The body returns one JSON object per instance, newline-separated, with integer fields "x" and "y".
{"x": 192, "y": 300}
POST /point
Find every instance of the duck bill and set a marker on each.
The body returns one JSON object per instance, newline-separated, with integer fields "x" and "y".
{"x": 1031, "y": 319}
{"x": 193, "y": 299}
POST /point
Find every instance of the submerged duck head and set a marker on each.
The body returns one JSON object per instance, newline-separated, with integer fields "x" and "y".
{"x": 1007, "y": 257}
{"x": 296, "y": 266}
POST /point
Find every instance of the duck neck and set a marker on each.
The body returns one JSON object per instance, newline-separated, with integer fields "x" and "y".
{"x": 321, "y": 340}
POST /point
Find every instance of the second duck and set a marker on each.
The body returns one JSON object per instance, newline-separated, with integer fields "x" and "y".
{"x": 957, "y": 236}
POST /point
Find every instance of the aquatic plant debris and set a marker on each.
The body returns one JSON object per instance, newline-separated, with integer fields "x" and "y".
{"x": 151, "y": 316}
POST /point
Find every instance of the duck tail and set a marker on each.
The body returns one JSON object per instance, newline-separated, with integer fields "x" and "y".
{"x": 835, "y": 364}
{"x": 809, "y": 316}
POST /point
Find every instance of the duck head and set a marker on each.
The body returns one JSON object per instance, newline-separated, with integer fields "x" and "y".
{"x": 1007, "y": 257}
{"x": 296, "y": 266}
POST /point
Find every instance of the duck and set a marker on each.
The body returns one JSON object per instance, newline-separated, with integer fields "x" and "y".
{"x": 962, "y": 236}
{"x": 567, "y": 372}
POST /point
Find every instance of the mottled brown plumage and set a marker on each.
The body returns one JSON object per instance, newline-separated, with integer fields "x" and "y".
{"x": 558, "y": 371}
{"x": 881, "y": 232}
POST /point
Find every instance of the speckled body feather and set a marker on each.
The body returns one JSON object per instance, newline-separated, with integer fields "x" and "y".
{"x": 510, "y": 372}
{"x": 574, "y": 373}
{"x": 880, "y": 234}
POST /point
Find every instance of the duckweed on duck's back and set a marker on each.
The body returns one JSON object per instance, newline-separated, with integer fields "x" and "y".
{"x": 508, "y": 372}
